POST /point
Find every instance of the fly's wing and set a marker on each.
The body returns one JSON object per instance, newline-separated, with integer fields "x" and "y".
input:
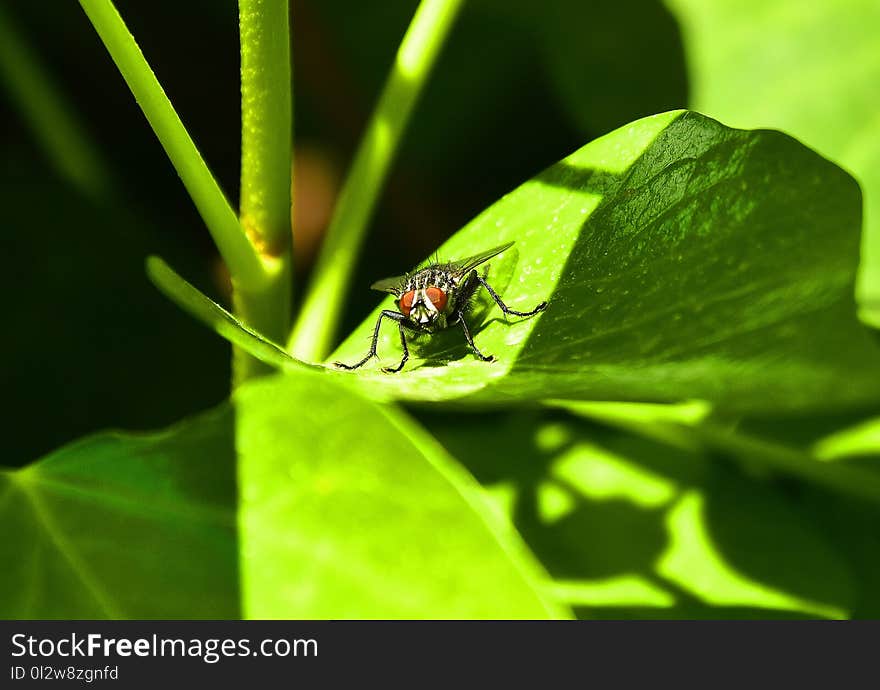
{"x": 392, "y": 285}
{"x": 462, "y": 267}
{"x": 459, "y": 268}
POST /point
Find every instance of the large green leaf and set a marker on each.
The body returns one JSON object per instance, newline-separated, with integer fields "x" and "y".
{"x": 629, "y": 527}
{"x": 350, "y": 510}
{"x": 810, "y": 69}
{"x": 681, "y": 259}
{"x": 346, "y": 509}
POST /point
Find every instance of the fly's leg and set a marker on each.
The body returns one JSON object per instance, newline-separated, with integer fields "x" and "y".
{"x": 386, "y": 314}
{"x": 504, "y": 307}
{"x": 402, "y": 329}
{"x": 470, "y": 341}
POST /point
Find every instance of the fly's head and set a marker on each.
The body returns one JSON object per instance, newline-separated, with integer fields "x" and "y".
{"x": 428, "y": 297}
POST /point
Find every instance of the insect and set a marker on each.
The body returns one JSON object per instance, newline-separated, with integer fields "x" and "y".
{"x": 434, "y": 298}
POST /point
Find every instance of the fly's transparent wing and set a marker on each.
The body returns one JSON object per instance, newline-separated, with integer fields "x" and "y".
{"x": 460, "y": 268}
{"x": 392, "y": 285}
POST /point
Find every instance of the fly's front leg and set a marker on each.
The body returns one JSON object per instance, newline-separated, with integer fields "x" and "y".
{"x": 504, "y": 307}
{"x": 470, "y": 341}
{"x": 402, "y": 329}
{"x": 386, "y": 314}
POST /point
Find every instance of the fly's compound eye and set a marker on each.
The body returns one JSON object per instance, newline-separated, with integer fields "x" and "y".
{"x": 405, "y": 302}
{"x": 437, "y": 297}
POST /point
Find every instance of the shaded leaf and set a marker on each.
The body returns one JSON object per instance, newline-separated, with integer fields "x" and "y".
{"x": 123, "y": 526}
{"x": 810, "y": 69}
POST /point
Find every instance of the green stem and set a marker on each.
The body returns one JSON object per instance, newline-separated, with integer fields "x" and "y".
{"x": 266, "y": 123}
{"x": 266, "y": 145}
{"x": 245, "y": 264}
{"x": 54, "y": 124}
{"x": 315, "y": 329}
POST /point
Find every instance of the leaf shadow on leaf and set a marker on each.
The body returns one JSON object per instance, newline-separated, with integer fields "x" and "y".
{"x": 601, "y": 509}
{"x": 847, "y": 439}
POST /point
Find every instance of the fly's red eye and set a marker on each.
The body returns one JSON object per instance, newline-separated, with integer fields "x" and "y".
{"x": 437, "y": 297}
{"x": 405, "y": 302}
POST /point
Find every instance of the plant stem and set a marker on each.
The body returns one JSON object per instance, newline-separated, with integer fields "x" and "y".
{"x": 315, "y": 329}
{"x": 266, "y": 123}
{"x": 53, "y": 122}
{"x": 245, "y": 264}
{"x": 266, "y": 145}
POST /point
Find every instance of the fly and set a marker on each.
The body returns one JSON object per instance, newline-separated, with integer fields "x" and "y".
{"x": 434, "y": 298}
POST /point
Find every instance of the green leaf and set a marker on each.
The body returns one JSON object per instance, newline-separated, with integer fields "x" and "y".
{"x": 810, "y": 69}
{"x": 681, "y": 260}
{"x": 628, "y": 527}
{"x": 320, "y": 503}
{"x": 123, "y": 526}
{"x": 350, "y": 510}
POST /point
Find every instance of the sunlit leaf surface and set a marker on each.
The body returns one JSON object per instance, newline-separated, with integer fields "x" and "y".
{"x": 350, "y": 510}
